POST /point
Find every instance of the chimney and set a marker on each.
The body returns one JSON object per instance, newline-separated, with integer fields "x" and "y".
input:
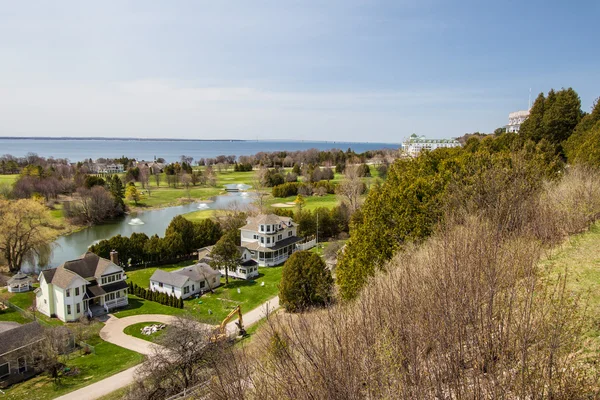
{"x": 114, "y": 257}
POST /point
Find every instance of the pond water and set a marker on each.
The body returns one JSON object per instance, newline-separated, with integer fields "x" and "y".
{"x": 151, "y": 222}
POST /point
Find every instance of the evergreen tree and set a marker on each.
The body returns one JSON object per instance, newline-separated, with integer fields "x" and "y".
{"x": 531, "y": 129}
{"x": 562, "y": 113}
{"x": 305, "y": 282}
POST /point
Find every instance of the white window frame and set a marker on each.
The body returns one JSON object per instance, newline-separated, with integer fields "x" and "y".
{"x": 68, "y": 309}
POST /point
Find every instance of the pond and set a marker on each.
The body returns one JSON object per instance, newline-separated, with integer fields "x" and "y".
{"x": 150, "y": 222}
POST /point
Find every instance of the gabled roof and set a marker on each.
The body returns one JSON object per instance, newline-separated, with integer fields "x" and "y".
{"x": 169, "y": 278}
{"x": 23, "y": 335}
{"x": 89, "y": 265}
{"x": 198, "y": 272}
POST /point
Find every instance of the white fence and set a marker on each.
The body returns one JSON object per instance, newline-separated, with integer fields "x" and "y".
{"x": 306, "y": 245}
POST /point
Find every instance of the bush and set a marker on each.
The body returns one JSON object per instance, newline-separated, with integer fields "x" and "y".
{"x": 305, "y": 282}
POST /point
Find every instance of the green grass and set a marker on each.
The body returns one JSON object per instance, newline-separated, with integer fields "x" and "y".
{"x": 135, "y": 331}
{"x": 108, "y": 360}
{"x": 12, "y": 315}
{"x": 197, "y": 216}
{"x": 25, "y": 301}
{"x": 220, "y": 303}
{"x": 311, "y": 202}
{"x": 117, "y": 394}
{"x": 580, "y": 257}
{"x": 141, "y": 277}
{"x": 8, "y": 179}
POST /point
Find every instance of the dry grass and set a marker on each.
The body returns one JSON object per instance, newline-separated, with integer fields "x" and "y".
{"x": 468, "y": 314}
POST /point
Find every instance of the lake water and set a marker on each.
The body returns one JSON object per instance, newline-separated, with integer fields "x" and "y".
{"x": 78, "y": 150}
{"x": 152, "y": 222}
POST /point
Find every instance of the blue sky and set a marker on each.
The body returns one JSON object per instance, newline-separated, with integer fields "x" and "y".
{"x": 314, "y": 70}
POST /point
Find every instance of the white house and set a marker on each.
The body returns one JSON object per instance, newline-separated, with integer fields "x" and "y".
{"x": 270, "y": 239}
{"x": 88, "y": 286}
{"x": 187, "y": 281}
{"x": 415, "y": 144}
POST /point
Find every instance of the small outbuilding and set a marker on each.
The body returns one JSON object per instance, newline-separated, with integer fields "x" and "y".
{"x": 20, "y": 283}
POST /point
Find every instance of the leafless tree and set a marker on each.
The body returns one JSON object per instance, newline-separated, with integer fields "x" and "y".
{"x": 351, "y": 188}
{"x": 144, "y": 176}
{"x": 186, "y": 181}
{"x": 182, "y": 359}
{"x": 49, "y": 354}
{"x": 92, "y": 206}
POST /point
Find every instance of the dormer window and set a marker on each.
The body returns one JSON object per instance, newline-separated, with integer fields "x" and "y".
{"x": 268, "y": 228}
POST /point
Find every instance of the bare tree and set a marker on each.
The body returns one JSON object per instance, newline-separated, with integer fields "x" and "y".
{"x": 181, "y": 360}
{"x": 49, "y": 354}
{"x": 351, "y": 188}
{"x": 186, "y": 181}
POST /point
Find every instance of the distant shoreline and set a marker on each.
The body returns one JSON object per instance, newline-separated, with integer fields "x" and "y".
{"x": 132, "y": 139}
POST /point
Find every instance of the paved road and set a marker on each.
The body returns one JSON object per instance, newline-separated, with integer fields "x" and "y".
{"x": 113, "y": 332}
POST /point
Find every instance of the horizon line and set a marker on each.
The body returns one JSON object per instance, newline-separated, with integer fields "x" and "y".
{"x": 178, "y": 139}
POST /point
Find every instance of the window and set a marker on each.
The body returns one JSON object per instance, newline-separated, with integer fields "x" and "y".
{"x": 193, "y": 288}
{"x": 186, "y": 289}
{"x": 45, "y": 302}
{"x": 289, "y": 233}
{"x": 111, "y": 278}
{"x": 172, "y": 289}
{"x": 22, "y": 364}
{"x": 268, "y": 228}
{"x": 262, "y": 240}
{"x": 76, "y": 291}
{"x": 268, "y": 240}
{"x": 256, "y": 237}
{"x": 78, "y": 308}
{"x": 202, "y": 284}
{"x": 279, "y": 237}
{"x": 242, "y": 270}
{"x": 160, "y": 284}
{"x": 68, "y": 292}
{"x": 262, "y": 228}
{"x": 4, "y": 370}
{"x": 68, "y": 309}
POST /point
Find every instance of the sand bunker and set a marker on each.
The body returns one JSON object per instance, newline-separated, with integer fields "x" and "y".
{"x": 282, "y": 205}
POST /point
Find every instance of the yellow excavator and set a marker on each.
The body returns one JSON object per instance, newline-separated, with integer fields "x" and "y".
{"x": 222, "y": 333}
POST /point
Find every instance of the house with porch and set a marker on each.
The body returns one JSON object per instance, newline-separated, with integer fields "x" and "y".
{"x": 187, "y": 281}
{"x": 270, "y": 239}
{"x": 89, "y": 285}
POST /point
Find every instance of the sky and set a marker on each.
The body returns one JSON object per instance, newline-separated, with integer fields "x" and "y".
{"x": 353, "y": 70}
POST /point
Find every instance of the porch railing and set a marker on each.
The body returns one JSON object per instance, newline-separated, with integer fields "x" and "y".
{"x": 118, "y": 302}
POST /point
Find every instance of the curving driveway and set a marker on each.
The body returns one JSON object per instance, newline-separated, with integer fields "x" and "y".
{"x": 113, "y": 332}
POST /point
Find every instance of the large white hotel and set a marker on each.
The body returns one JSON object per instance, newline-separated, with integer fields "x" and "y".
{"x": 415, "y": 144}
{"x": 515, "y": 119}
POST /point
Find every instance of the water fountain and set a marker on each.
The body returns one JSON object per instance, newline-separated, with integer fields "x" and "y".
{"x": 136, "y": 221}
{"x": 203, "y": 206}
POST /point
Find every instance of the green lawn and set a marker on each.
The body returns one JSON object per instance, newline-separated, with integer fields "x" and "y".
{"x": 108, "y": 360}
{"x": 8, "y": 179}
{"x": 199, "y": 215}
{"x": 25, "y": 301}
{"x": 311, "y": 202}
{"x": 135, "y": 331}
{"x": 220, "y": 303}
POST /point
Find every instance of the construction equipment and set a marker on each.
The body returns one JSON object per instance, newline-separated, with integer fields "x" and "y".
{"x": 240, "y": 324}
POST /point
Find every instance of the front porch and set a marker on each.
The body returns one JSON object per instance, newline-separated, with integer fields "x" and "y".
{"x": 100, "y": 300}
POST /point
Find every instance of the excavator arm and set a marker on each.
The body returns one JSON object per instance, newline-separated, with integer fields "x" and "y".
{"x": 229, "y": 317}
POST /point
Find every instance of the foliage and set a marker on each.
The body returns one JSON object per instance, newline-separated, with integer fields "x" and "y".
{"x": 25, "y": 230}
{"x": 584, "y": 145}
{"x": 159, "y": 297}
{"x": 553, "y": 118}
{"x": 412, "y": 200}
{"x": 225, "y": 255}
{"x": 133, "y": 194}
{"x": 306, "y": 282}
